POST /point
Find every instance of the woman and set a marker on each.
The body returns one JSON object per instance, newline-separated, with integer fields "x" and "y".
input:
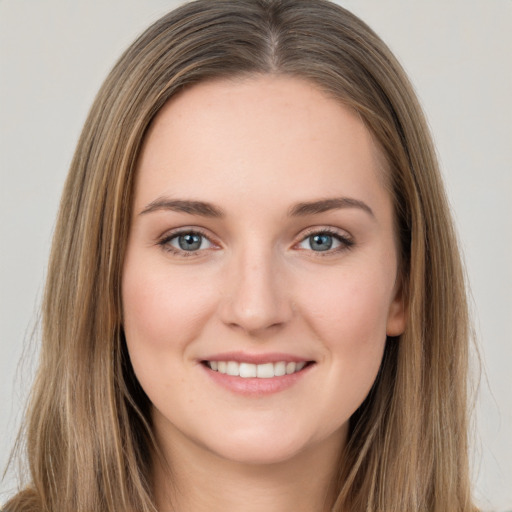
{"x": 255, "y": 298}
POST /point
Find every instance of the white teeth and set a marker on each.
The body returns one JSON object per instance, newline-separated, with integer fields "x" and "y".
{"x": 280, "y": 369}
{"x": 290, "y": 368}
{"x": 247, "y": 370}
{"x": 261, "y": 371}
{"x": 233, "y": 368}
{"x": 265, "y": 371}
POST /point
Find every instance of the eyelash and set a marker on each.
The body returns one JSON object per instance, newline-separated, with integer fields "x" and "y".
{"x": 166, "y": 246}
{"x": 346, "y": 243}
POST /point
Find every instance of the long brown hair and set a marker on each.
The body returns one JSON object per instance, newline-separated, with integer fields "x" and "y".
{"x": 88, "y": 431}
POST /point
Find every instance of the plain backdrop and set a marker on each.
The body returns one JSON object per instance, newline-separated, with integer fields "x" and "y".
{"x": 54, "y": 54}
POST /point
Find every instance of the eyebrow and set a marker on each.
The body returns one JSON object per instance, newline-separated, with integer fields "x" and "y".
{"x": 184, "y": 206}
{"x": 325, "y": 205}
{"x": 205, "y": 209}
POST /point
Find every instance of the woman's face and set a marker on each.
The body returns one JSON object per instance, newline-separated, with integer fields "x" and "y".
{"x": 260, "y": 278}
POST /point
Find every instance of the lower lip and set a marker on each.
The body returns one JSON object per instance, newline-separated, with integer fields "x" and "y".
{"x": 256, "y": 387}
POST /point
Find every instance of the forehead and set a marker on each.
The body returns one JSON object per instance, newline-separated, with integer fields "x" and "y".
{"x": 269, "y": 135}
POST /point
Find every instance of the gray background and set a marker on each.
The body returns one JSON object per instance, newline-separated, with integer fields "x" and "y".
{"x": 54, "y": 55}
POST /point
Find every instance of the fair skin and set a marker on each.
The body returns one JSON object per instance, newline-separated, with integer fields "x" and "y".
{"x": 237, "y": 263}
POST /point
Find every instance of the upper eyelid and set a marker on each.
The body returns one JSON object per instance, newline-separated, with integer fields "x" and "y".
{"x": 346, "y": 240}
{"x": 305, "y": 233}
{"x": 172, "y": 233}
{"x": 165, "y": 239}
{"x": 164, "y": 242}
{"x": 342, "y": 233}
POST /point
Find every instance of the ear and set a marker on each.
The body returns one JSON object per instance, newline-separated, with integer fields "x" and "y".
{"x": 396, "y": 321}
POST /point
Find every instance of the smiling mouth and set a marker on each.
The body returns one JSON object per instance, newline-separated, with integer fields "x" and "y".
{"x": 260, "y": 371}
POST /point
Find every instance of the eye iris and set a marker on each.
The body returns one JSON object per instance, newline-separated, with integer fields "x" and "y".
{"x": 321, "y": 242}
{"x": 189, "y": 242}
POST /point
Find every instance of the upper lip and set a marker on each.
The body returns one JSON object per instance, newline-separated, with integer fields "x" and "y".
{"x": 243, "y": 357}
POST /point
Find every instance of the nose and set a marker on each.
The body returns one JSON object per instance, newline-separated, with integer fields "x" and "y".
{"x": 256, "y": 300}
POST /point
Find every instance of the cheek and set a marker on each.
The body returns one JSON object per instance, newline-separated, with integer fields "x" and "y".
{"x": 348, "y": 307}
{"x": 163, "y": 314}
{"x": 348, "y": 312}
{"x": 162, "y": 310}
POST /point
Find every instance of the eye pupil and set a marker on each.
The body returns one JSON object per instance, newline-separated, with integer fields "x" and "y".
{"x": 190, "y": 241}
{"x": 321, "y": 242}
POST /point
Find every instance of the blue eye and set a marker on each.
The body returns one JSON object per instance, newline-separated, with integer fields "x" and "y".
{"x": 187, "y": 241}
{"x": 325, "y": 241}
{"x": 321, "y": 242}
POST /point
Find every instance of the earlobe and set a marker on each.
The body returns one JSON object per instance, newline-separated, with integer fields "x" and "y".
{"x": 396, "y": 319}
{"x": 396, "y": 322}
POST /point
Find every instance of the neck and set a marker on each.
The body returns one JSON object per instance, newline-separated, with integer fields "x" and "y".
{"x": 198, "y": 480}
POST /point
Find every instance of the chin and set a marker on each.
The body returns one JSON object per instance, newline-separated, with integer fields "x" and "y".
{"x": 257, "y": 446}
{"x": 257, "y": 453}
